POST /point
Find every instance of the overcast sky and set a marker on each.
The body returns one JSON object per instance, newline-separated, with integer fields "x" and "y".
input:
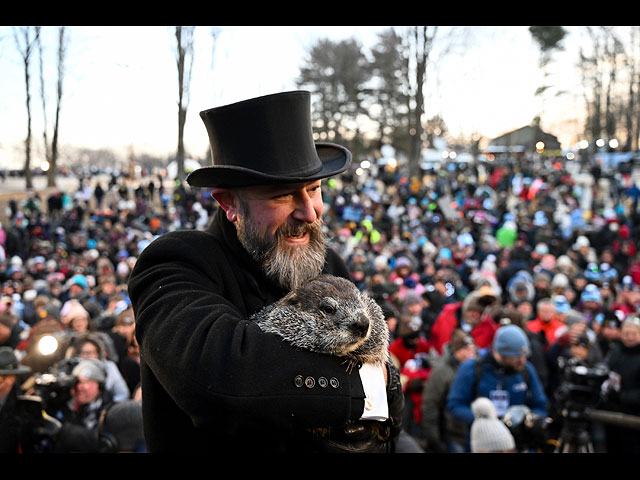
{"x": 120, "y": 86}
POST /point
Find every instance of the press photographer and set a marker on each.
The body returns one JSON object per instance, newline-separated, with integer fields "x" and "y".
{"x": 568, "y": 427}
{"x": 80, "y": 415}
{"x": 624, "y": 389}
{"x": 64, "y": 410}
{"x": 592, "y": 400}
{"x": 10, "y": 371}
{"x": 24, "y": 426}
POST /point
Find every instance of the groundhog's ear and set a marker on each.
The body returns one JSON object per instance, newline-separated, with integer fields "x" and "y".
{"x": 291, "y": 298}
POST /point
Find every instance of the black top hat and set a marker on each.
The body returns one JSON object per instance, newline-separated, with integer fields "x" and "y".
{"x": 266, "y": 140}
{"x": 9, "y": 363}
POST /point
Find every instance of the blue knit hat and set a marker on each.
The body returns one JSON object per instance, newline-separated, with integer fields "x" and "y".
{"x": 511, "y": 341}
{"x": 79, "y": 279}
{"x": 590, "y": 293}
{"x": 562, "y": 305}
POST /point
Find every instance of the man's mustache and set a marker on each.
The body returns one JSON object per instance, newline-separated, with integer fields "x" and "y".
{"x": 297, "y": 229}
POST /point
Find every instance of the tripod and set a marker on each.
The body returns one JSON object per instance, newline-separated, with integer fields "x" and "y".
{"x": 574, "y": 442}
{"x": 574, "y": 436}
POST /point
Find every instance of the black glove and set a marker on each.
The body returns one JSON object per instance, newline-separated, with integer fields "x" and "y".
{"x": 395, "y": 400}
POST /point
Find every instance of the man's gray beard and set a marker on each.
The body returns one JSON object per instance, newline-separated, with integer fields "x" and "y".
{"x": 288, "y": 265}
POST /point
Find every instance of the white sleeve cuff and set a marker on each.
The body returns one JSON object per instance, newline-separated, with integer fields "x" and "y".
{"x": 375, "y": 390}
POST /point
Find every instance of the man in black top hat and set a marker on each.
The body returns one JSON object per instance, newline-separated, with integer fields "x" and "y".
{"x": 212, "y": 381}
{"x": 10, "y": 427}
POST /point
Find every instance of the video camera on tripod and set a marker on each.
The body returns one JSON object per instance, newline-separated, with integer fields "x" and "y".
{"x": 567, "y": 430}
{"x": 582, "y": 385}
{"x": 579, "y": 394}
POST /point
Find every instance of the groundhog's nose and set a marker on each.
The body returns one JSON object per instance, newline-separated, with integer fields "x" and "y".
{"x": 361, "y": 324}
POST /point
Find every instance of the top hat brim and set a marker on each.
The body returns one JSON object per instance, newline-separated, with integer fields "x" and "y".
{"x": 335, "y": 160}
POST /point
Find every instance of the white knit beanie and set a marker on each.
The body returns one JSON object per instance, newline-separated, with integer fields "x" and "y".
{"x": 488, "y": 433}
{"x": 91, "y": 369}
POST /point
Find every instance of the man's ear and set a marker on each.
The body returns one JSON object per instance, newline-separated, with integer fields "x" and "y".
{"x": 228, "y": 201}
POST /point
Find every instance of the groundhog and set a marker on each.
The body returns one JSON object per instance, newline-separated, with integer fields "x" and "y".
{"x": 330, "y": 315}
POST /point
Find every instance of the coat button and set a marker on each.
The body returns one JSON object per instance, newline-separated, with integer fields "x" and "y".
{"x": 333, "y": 381}
{"x": 323, "y": 382}
{"x": 309, "y": 382}
{"x": 298, "y": 381}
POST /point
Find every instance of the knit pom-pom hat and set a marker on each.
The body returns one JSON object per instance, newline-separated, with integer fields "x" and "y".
{"x": 488, "y": 433}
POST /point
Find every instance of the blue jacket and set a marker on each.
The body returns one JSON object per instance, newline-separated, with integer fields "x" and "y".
{"x": 493, "y": 378}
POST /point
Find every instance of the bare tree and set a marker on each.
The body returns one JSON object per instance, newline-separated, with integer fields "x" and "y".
{"x": 43, "y": 96}
{"x": 184, "y": 62}
{"x": 420, "y": 42}
{"x": 53, "y": 162}
{"x": 51, "y": 152}
{"x": 609, "y": 100}
{"x": 631, "y": 98}
{"x": 26, "y": 39}
{"x": 613, "y": 51}
{"x": 633, "y": 110}
{"x": 590, "y": 68}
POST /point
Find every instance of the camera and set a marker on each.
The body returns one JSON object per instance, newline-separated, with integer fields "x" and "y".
{"x": 38, "y": 430}
{"x": 577, "y": 401}
{"x": 578, "y": 396}
{"x": 530, "y": 431}
{"x": 582, "y": 385}
{"x": 38, "y": 425}
{"x": 567, "y": 427}
{"x": 54, "y": 390}
{"x": 54, "y": 387}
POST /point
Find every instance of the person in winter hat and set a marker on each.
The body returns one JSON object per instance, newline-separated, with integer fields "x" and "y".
{"x": 260, "y": 184}
{"x": 121, "y": 428}
{"x": 488, "y": 433}
{"x": 624, "y": 363}
{"x": 442, "y": 432}
{"x": 12, "y": 375}
{"x": 470, "y": 316}
{"x": 502, "y": 374}
{"x": 80, "y": 415}
{"x": 546, "y": 322}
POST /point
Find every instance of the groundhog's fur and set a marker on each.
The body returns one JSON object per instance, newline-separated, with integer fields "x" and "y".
{"x": 330, "y": 315}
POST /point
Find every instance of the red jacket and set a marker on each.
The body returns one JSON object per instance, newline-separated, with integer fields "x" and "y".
{"x": 413, "y": 376}
{"x": 549, "y": 328}
{"x": 402, "y": 353}
{"x": 447, "y": 321}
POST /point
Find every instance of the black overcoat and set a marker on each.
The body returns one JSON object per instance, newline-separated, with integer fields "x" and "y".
{"x": 211, "y": 379}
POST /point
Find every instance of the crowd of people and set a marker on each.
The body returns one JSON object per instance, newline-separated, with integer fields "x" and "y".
{"x": 484, "y": 263}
